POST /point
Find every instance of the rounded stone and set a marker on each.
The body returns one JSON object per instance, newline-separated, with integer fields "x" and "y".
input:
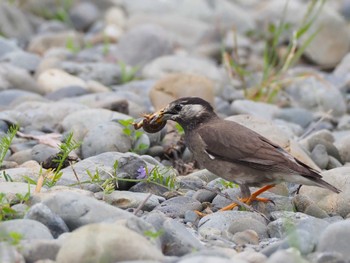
{"x": 335, "y": 239}
{"x": 106, "y": 243}
{"x": 113, "y": 140}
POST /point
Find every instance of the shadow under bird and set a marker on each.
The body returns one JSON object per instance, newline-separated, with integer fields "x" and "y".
{"x": 235, "y": 152}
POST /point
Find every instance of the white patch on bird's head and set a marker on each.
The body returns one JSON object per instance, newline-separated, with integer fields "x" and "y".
{"x": 190, "y": 111}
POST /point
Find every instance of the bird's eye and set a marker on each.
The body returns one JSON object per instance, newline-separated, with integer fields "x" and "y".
{"x": 178, "y": 107}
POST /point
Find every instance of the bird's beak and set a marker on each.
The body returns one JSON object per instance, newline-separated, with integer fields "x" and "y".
{"x": 160, "y": 116}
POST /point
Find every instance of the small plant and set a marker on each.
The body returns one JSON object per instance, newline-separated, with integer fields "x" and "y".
{"x": 106, "y": 45}
{"x": 127, "y": 73}
{"x": 228, "y": 184}
{"x": 275, "y": 67}
{"x": 129, "y": 131}
{"x": 153, "y": 235}
{"x": 12, "y": 238}
{"x": 7, "y": 177}
{"x": 6, "y": 212}
{"x": 154, "y": 176}
{"x": 23, "y": 198}
{"x": 72, "y": 46}
{"x": 5, "y": 142}
{"x": 51, "y": 176}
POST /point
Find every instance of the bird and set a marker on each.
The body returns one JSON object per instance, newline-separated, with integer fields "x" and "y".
{"x": 235, "y": 152}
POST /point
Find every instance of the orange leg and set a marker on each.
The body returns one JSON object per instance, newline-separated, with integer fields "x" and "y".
{"x": 251, "y": 198}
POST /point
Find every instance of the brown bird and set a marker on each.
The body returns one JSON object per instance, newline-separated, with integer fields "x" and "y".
{"x": 235, "y": 152}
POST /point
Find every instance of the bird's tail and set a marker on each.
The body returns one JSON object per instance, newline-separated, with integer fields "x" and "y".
{"x": 324, "y": 184}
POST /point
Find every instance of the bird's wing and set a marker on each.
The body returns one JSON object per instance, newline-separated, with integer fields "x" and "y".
{"x": 233, "y": 142}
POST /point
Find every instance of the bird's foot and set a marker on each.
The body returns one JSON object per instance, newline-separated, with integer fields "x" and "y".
{"x": 251, "y": 198}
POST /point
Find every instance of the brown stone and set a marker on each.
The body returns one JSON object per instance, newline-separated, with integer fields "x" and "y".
{"x": 179, "y": 85}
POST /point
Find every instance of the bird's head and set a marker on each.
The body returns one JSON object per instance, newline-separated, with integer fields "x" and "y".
{"x": 187, "y": 111}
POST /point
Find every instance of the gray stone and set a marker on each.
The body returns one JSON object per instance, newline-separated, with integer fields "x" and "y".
{"x": 258, "y": 109}
{"x": 287, "y": 221}
{"x": 12, "y": 77}
{"x": 221, "y": 221}
{"x": 67, "y": 92}
{"x": 12, "y": 189}
{"x": 242, "y": 224}
{"x": 342, "y": 145}
{"x": 164, "y": 65}
{"x": 40, "y": 44}
{"x": 30, "y": 169}
{"x": 305, "y": 205}
{"x": 317, "y": 94}
{"x": 333, "y": 163}
{"x": 110, "y": 243}
{"x": 186, "y": 31}
{"x": 104, "y": 165}
{"x": 113, "y": 140}
{"x": 225, "y": 13}
{"x": 83, "y": 15}
{"x": 22, "y": 59}
{"x": 177, "y": 206}
{"x": 81, "y": 120}
{"x": 12, "y": 96}
{"x": 9, "y": 254}
{"x": 327, "y": 257}
{"x": 331, "y": 43}
{"x": 334, "y": 239}
{"x": 15, "y": 23}
{"x": 39, "y": 115}
{"x": 246, "y": 237}
{"x": 301, "y": 240}
{"x": 7, "y": 46}
{"x": 43, "y": 214}
{"x": 21, "y": 210}
{"x": 208, "y": 259}
{"x": 296, "y": 115}
{"x": 203, "y": 195}
{"x": 29, "y": 229}
{"x": 344, "y": 123}
{"x": 286, "y": 256}
{"x": 142, "y": 144}
{"x": 151, "y": 40}
{"x": 126, "y": 199}
{"x": 39, "y": 249}
{"x": 177, "y": 240}
{"x": 144, "y": 187}
{"x": 320, "y": 156}
{"x": 105, "y": 73}
{"x": 77, "y": 210}
{"x": 41, "y": 152}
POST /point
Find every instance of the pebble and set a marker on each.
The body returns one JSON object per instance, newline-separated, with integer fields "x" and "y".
{"x": 29, "y": 229}
{"x": 94, "y": 144}
{"x": 165, "y": 65}
{"x": 52, "y": 221}
{"x": 9, "y": 254}
{"x": 144, "y": 43}
{"x": 177, "y": 240}
{"x": 36, "y": 250}
{"x": 178, "y": 206}
{"x": 126, "y": 199}
{"x": 320, "y": 156}
{"x": 77, "y": 210}
{"x": 116, "y": 243}
{"x": 333, "y": 239}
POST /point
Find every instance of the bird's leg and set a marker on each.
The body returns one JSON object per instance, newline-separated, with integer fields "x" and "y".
{"x": 248, "y": 198}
